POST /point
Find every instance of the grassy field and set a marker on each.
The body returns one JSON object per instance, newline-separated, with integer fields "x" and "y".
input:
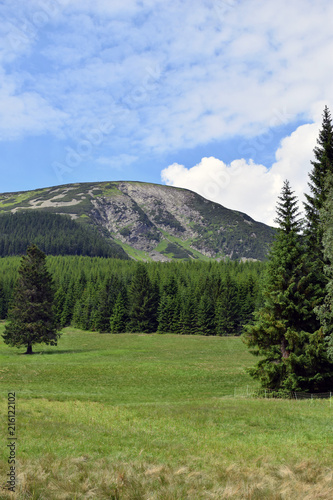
{"x": 154, "y": 417}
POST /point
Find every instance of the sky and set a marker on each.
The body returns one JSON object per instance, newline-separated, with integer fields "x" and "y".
{"x": 221, "y": 97}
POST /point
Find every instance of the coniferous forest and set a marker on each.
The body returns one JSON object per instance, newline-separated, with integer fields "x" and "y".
{"x": 54, "y": 234}
{"x": 112, "y": 295}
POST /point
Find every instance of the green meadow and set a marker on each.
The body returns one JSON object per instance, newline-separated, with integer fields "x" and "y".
{"x": 137, "y": 416}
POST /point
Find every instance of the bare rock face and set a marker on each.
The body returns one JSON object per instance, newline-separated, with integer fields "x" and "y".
{"x": 151, "y": 221}
{"x": 169, "y": 222}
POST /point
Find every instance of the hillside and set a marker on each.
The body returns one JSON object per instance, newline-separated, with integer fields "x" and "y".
{"x": 147, "y": 221}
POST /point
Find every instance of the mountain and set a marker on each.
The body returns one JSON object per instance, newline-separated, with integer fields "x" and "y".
{"x": 140, "y": 220}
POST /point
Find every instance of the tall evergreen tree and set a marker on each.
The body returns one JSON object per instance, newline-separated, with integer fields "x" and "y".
{"x": 325, "y": 310}
{"x": 68, "y": 305}
{"x": 31, "y": 316}
{"x": 3, "y": 302}
{"x": 227, "y": 308}
{"x": 119, "y": 316}
{"x": 284, "y": 331}
{"x": 206, "y": 315}
{"x": 322, "y": 167}
{"x": 143, "y": 299}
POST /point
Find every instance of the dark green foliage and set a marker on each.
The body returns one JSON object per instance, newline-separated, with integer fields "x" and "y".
{"x": 228, "y": 309}
{"x": 68, "y": 304}
{"x": 162, "y": 217}
{"x": 59, "y": 303}
{"x": 248, "y": 294}
{"x": 325, "y": 310}
{"x": 169, "y": 307}
{"x": 205, "y": 315}
{"x": 3, "y": 302}
{"x": 177, "y": 252}
{"x": 143, "y": 302}
{"x": 322, "y": 167}
{"x": 119, "y": 316}
{"x": 31, "y": 316}
{"x": 54, "y": 234}
{"x": 106, "y": 297}
{"x": 188, "y": 314}
{"x": 293, "y": 352}
{"x": 87, "y": 289}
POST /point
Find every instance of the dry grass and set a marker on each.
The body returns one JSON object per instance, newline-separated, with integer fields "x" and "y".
{"x": 82, "y": 478}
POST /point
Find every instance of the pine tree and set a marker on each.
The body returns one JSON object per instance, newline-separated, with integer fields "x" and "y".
{"x": 107, "y": 296}
{"x": 69, "y": 303}
{"x": 227, "y": 308}
{"x": 3, "y": 302}
{"x": 143, "y": 298}
{"x": 325, "y": 310}
{"x": 119, "y": 316}
{"x": 322, "y": 168}
{"x": 206, "y": 315}
{"x": 59, "y": 302}
{"x": 169, "y": 307}
{"x": 31, "y": 316}
{"x": 164, "y": 314}
{"x": 284, "y": 331}
{"x": 188, "y": 317}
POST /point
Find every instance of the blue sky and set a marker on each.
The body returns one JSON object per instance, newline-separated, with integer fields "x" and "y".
{"x": 221, "y": 97}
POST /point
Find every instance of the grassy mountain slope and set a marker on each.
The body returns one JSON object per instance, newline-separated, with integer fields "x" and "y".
{"x": 150, "y": 221}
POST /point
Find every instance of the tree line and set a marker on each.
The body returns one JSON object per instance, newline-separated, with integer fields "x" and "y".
{"x": 111, "y": 295}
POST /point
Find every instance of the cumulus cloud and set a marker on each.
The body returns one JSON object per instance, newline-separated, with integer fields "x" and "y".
{"x": 246, "y": 186}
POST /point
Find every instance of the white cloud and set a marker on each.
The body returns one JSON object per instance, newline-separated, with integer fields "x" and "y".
{"x": 26, "y": 113}
{"x": 246, "y": 186}
{"x": 223, "y": 67}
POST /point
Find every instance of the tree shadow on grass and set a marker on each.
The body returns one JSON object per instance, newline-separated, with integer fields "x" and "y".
{"x": 58, "y": 351}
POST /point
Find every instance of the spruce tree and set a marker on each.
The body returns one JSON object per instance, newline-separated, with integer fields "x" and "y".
{"x": 31, "y": 318}
{"x": 322, "y": 167}
{"x": 165, "y": 313}
{"x": 119, "y": 316}
{"x": 284, "y": 331}
{"x": 325, "y": 310}
{"x": 3, "y": 302}
{"x": 188, "y": 317}
{"x": 143, "y": 299}
{"x": 227, "y": 308}
{"x": 206, "y": 315}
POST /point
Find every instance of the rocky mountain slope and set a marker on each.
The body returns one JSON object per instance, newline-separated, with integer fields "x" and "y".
{"x": 151, "y": 221}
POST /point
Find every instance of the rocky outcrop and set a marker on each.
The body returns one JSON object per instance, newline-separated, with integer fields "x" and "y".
{"x": 157, "y": 222}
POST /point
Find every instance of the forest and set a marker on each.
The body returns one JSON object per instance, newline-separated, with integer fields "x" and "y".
{"x": 113, "y": 295}
{"x": 54, "y": 234}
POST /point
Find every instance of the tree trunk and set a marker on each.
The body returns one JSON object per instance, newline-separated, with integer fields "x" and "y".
{"x": 29, "y": 349}
{"x": 285, "y": 353}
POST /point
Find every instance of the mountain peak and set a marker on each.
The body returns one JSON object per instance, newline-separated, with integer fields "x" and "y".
{"x": 151, "y": 221}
